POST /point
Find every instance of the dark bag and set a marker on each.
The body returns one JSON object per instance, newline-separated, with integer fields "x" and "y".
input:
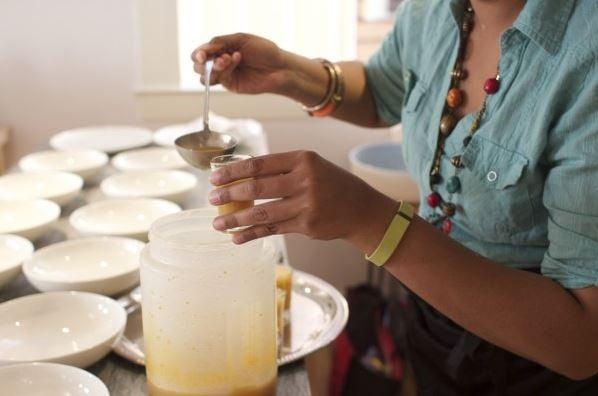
{"x": 367, "y": 360}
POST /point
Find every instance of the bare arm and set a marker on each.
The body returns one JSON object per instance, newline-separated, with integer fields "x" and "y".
{"x": 528, "y": 314}
{"x": 250, "y": 64}
{"x": 308, "y": 81}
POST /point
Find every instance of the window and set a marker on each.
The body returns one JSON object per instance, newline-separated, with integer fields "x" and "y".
{"x": 169, "y": 30}
{"x": 314, "y": 28}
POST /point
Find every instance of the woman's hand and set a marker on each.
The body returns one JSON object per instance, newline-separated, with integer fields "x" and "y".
{"x": 244, "y": 63}
{"x": 315, "y": 198}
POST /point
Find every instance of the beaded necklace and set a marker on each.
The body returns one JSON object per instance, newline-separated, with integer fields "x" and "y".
{"x": 454, "y": 99}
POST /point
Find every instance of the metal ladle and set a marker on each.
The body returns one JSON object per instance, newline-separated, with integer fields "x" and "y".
{"x": 198, "y": 148}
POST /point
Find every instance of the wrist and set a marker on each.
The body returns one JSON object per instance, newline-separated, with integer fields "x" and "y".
{"x": 304, "y": 80}
{"x": 374, "y": 220}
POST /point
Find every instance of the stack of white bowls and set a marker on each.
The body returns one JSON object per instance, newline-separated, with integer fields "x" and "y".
{"x": 73, "y": 321}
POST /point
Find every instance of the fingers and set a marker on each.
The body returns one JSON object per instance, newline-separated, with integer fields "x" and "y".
{"x": 226, "y": 74}
{"x": 267, "y": 213}
{"x": 266, "y": 165}
{"x": 221, "y": 63}
{"x": 224, "y": 66}
{"x": 280, "y": 186}
{"x": 260, "y": 231}
{"x": 209, "y": 50}
{"x": 218, "y": 46}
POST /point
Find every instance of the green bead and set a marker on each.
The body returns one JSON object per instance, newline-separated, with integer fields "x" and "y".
{"x": 453, "y": 185}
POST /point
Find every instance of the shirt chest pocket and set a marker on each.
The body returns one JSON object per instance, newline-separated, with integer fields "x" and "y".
{"x": 495, "y": 198}
{"x": 415, "y": 119}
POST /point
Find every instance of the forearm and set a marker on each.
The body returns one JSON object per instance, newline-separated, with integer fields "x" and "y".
{"x": 525, "y": 313}
{"x": 307, "y": 83}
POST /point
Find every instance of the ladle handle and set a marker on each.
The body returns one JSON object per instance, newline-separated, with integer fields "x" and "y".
{"x": 206, "y": 104}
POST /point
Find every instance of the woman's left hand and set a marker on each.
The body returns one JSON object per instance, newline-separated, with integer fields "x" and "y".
{"x": 313, "y": 197}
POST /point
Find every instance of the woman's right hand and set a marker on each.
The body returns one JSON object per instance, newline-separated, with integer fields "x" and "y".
{"x": 244, "y": 63}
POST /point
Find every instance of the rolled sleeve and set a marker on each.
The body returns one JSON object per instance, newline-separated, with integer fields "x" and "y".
{"x": 384, "y": 74}
{"x": 571, "y": 192}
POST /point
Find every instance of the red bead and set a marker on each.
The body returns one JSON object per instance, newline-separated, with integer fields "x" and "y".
{"x": 447, "y": 226}
{"x": 491, "y": 86}
{"x": 434, "y": 199}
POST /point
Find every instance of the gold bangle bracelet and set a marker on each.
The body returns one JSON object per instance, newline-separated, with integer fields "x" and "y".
{"x": 332, "y": 87}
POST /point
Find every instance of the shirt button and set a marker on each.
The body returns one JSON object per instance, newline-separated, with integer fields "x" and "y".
{"x": 491, "y": 176}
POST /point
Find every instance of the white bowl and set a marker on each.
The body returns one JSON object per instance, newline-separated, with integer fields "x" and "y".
{"x": 60, "y": 187}
{"x": 13, "y": 251}
{"x": 153, "y": 158}
{"x": 171, "y": 185}
{"x": 29, "y": 219}
{"x": 85, "y": 163}
{"x": 103, "y": 265}
{"x": 49, "y": 379}
{"x": 109, "y": 139}
{"x": 72, "y": 328}
{"x": 121, "y": 217}
{"x": 382, "y": 166}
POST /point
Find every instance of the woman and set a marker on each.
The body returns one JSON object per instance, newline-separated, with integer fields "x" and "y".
{"x": 498, "y": 103}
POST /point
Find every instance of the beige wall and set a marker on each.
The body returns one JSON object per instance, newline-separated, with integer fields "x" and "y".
{"x": 71, "y": 63}
{"x": 63, "y": 64}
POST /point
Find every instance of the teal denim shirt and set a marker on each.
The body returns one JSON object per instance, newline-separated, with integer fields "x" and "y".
{"x": 529, "y": 194}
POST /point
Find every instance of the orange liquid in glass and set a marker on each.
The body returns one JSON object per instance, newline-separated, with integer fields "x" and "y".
{"x": 234, "y": 206}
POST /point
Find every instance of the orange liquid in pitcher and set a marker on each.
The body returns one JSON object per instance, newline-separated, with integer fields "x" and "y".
{"x": 268, "y": 389}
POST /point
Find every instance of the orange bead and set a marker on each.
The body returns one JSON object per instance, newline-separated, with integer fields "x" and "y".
{"x": 454, "y": 98}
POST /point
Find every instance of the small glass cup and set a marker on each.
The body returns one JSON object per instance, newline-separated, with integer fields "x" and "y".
{"x": 235, "y": 206}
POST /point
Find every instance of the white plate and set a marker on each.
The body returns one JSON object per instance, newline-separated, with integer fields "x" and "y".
{"x": 60, "y": 187}
{"x": 121, "y": 217}
{"x": 167, "y": 135}
{"x": 29, "y": 219}
{"x": 49, "y": 379}
{"x": 109, "y": 139}
{"x": 104, "y": 265}
{"x": 154, "y": 158}
{"x": 171, "y": 185}
{"x": 85, "y": 163}
{"x": 13, "y": 251}
{"x": 72, "y": 328}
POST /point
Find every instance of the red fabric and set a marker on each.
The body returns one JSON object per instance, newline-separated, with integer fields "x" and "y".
{"x": 343, "y": 354}
{"x": 387, "y": 345}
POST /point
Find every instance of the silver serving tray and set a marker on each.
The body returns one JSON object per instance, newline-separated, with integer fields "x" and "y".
{"x": 317, "y": 316}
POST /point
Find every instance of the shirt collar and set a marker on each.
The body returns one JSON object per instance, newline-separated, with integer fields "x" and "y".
{"x": 543, "y": 21}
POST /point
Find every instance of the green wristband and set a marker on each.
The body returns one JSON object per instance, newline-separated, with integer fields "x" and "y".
{"x": 393, "y": 235}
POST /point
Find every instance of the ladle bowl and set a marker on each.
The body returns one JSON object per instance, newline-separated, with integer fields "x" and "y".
{"x": 198, "y": 148}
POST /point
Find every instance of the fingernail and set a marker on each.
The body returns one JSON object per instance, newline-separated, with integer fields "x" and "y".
{"x": 215, "y": 177}
{"x": 238, "y": 239}
{"x": 214, "y": 197}
{"x": 218, "y": 224}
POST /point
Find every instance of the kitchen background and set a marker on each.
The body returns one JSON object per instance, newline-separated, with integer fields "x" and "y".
{"x": 71, "y": 63}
